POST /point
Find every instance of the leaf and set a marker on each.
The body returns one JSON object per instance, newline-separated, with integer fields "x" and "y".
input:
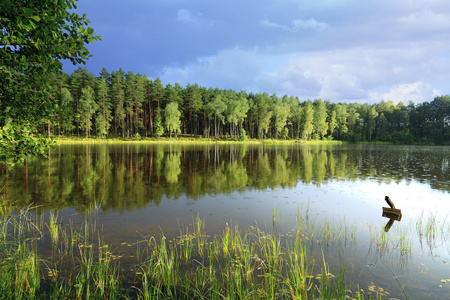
{"x": 36, "y": 18}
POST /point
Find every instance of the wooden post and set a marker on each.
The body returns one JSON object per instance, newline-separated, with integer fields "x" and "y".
{"x": 389, "y": 225}
{"x": 389, "y": 202}
{"x": 392, "y": 213}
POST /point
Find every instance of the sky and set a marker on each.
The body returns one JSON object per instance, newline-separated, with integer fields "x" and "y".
{"x": 337, "y": 50}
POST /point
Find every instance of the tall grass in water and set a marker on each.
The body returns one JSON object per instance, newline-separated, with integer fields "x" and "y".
{"x": 19, "y": 266}
{"x": 54, "y": 228}
{"x": 255, "y": 264}
{"x": 236, "y": 265}
{"x": 86, "y": 274}
{"x": 427, "y": 229}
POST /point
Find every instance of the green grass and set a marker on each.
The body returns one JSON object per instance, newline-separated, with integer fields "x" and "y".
{"x": 234, "y": 264}
{"x": 253, "y": 264}
{"x": 185, "y": 139}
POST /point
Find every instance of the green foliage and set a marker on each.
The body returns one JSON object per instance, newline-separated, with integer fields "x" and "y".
{"x": 307, "y": 120}
{"x": 16, "y": 147}
{"x": 126, "y": 104}
{"x": 243, "y": 135}
{"x": 103, "y": 118}
{"x": 87, "y": 108}
{"x": 341, "y": 119}
{"x": 284, "y": 133}
{"x": 117, "y": 91}
{"x": 237, "y": 107}
{"x": 172, "y": 115}
{"x": 137, "y": 136}
{"x": 400, "y": 137}
{"x": 264, "y": 113}
{"x": 216, "y": 108}
{"x": 332, "y": 122}
{"x": 33, "y": 39}
{"x": 159, "y": 128}
{"x": 193, "y": 265}
{"x": 369, "y": 115}
{"x": 34, "y": 94}
{"x": 320, "y": 118}
{"x": 66, "y": 112}
{"x": 281, "y": 113}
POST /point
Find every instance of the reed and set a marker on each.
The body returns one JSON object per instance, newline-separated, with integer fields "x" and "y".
{"x": 53, "y": 228}
{"x": 19, "y": 264}
{"x": 235, "y": 264}
{"x": 430, "y": 233}
{"x": 403, "y": 241}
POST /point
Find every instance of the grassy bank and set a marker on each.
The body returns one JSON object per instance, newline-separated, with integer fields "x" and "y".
{"x": 187, "y": 140}
{"x": 41, "y": 258}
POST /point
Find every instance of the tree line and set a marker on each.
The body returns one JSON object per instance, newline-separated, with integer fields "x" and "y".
{"x": 129, "y": 105}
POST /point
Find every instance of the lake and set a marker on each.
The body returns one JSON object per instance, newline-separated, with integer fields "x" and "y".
{"x": 144, "y": 189}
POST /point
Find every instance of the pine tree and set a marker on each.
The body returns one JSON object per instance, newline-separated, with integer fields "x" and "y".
{"x": 159, "y": 128}
{"x": 307, "y": 120}
{"x": 264, "y": 114}
{"x": 87, "y": 109}
{"x": 103, "y": 119}
{"x": 281, "y": 113}
{"x": 215, "y": 110}
{"x": 320, "y": 118}
{"x": 66, "y": 110}
{"x": 194, "y": 103}
{"x": 118, "y": 99}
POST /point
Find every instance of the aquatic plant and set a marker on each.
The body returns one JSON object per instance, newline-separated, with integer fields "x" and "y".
{"x": 253, "y": 264}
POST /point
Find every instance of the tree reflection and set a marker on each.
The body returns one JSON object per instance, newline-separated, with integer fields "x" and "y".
{"x": 127, "y": 178}
{"x": 172, "y": 167}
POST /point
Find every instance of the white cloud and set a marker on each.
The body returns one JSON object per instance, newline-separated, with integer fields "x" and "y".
{"x": 397, "y": 52}
{"x": 334, "y": 49}
{"x": 309, "y": 24}
{"x": 291, "y": 80}
{"x": 188, "y": 16}
{"x": 355, "y": 74}
{"x": 342, "y": 87}
{"x": 425, "y": 20}
{"x": 351, "y": 74}
{"x": 296, "y": 25}
{"x": 229, "y": 69}
{"x": 416, "y": 92}
{"x": 266, "y": 23}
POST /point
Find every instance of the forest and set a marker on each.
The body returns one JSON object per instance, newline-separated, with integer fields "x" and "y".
{"x": 127, "y": 105}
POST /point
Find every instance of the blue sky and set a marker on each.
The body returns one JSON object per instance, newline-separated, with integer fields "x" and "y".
{"x": 337, "y": 50}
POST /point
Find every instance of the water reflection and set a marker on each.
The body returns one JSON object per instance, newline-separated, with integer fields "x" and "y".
{"x": 129, "y": 177}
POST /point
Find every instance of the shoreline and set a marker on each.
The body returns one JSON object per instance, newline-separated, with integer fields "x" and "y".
{"x": 188, "y": 140}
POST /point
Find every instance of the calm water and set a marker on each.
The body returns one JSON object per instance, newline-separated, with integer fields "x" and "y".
{"x": 145, "y": 189}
